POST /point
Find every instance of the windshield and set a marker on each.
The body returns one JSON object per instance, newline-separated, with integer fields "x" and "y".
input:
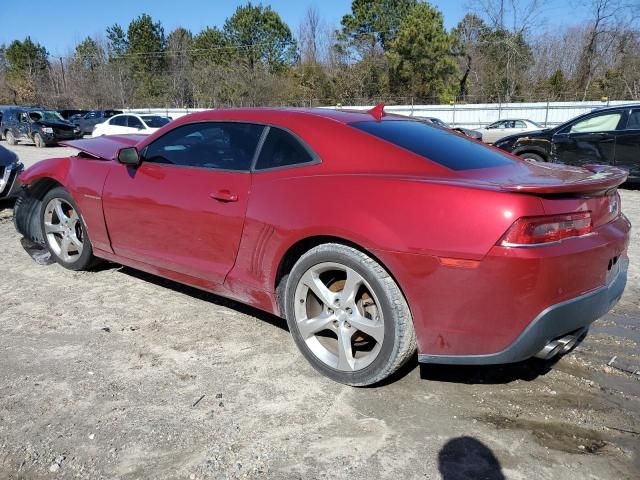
{"x": 46, "y": 115}
{"x": 535, "y": 124}
{"x": 154, "y": 121}
{"x": 436, "y": 144}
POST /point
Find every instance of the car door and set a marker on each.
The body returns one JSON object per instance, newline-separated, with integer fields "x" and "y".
{"x": 23, "y": 126}
{"x": 134, "y": 124}
{"x": 494, "y": 132}
{"x": 590, "y": 139}
{"x": 183, "y": 207}
{"x": 627, "y": 153}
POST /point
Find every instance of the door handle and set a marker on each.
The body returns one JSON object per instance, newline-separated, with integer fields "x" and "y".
{"x": 224, "y": 196}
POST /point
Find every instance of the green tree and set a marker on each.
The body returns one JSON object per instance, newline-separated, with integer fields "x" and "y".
{"x": 26, "y": 66}
{"x": 88, "y": 55}
{"x": 145, "y": 52}
{"x": 421, "y": 56}
{"x": 373, "y": 23}
{"x": 260, "y": 38}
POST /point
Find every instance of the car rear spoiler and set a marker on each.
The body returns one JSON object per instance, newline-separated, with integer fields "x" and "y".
{"x": 603, "y": 178}
{"x": 106, "y": 147}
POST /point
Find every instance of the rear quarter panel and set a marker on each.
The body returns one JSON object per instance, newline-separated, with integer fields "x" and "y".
{"x": 381, "y": 214}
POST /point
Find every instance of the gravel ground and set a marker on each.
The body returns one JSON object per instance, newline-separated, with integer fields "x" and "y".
{"x": 119, "y": 374}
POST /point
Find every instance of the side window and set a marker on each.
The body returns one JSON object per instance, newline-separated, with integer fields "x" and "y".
{"x": 281, "y": 149}
{"x": 134, "y": 122}
{"x": 520, "y": 124}
{"x": 634, "y": 120}
{"x": 599, "y": 123}
{"x": 119, "y": 121}
{"x": 216, "y": 145}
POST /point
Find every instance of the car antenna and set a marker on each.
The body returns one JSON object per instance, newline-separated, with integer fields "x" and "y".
{"x": 377, "y": 112}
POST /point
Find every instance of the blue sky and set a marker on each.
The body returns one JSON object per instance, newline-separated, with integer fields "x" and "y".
{"x": 63, "y": 25}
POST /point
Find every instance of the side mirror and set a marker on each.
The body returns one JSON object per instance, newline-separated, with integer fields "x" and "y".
{"x": 129, "y": 156}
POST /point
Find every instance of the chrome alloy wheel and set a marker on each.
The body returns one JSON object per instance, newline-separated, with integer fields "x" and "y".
{"x": 63, "y": 230}
{"x": 339, "y": 316}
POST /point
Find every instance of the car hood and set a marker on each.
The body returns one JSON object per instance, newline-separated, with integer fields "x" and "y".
{"x": 61, "y": 125}
{"x": 7, "y": 157}
{"x": 107, "y": 146}
{"x": 530, "y": 134}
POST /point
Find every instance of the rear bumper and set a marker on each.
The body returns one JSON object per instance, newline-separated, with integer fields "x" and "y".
{"x": 553, "y": 322}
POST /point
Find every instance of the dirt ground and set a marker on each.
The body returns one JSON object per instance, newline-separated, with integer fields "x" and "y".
{"x": 119, "y": 374}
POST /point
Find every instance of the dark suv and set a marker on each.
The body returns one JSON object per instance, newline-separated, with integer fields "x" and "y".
{"x": 609, "y": 136}
{"x": 41, "y": 126}
{"x": 93, "y": 118}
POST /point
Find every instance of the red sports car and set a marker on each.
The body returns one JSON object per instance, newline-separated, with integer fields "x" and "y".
{"x": 372, "y": 234}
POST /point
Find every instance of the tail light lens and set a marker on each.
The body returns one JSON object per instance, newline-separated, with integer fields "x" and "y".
{"x": 547, "y": 229}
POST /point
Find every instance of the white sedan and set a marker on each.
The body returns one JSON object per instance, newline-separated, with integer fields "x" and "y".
{"x": 127, "y": 123}
{"x": 497, "y": 130}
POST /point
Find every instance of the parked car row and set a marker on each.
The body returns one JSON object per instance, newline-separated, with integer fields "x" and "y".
{"x": 45, "y": 127}
{"x": 607, "y": 136}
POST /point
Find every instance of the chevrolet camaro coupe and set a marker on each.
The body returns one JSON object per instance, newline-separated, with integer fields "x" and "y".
{"x": 374, "y": 235}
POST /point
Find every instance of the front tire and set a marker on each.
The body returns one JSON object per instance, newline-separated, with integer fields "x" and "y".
{"x": 39, "y": 141}
{"x": 64, "y": 231}
{"x": 348, "y": 316}
{"x": 532, "y": 156}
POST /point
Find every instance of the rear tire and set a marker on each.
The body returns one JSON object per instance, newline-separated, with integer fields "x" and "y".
{"x": 64, "y": 231}
{"x": 532, "y": 156}
{"x": 11, "y": 139}
{"x": 348, "y": 316}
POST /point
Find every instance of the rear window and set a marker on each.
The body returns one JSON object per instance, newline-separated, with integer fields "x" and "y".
{"x": 440, "y": 146}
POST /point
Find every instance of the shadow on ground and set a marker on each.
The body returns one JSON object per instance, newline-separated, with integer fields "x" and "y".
{"x": 465, "y": 458}
{"x": 527, "y": 370}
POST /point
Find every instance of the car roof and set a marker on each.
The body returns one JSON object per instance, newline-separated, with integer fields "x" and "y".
{"x": 268, "y": 114}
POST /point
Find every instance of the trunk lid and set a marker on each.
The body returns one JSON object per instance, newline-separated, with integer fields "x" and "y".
{"x": 106, "y": 147}
{"x": 548, "y": 178}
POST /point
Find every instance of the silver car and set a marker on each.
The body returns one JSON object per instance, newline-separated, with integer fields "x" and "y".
{"x": 500, "y": 129}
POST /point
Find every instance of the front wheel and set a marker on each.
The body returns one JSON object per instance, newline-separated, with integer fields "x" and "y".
{"x": 39, "y": 141}
{"x": 64, "y": 231}
{"x": 532, "y": 156}
{"x": 348, "y": 316}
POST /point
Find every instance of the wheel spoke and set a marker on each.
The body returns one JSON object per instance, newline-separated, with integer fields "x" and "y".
{"x": 64, "y": 247}
{"x": 311, "y": 326}
{"x": 75, "y": 241}
{"x": 62, "y": 217}
{"x": 351, "y": 287}
{"x": 312, "y": 280}
{"x": 345, "y": 353}
{"x": 53, "y": 228}
{"x": 370, "y": 327}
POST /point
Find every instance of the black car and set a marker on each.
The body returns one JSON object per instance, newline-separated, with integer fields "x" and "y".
{"x": 441, "y": 123}
{"x": 41, "y": 126}
{"x": 91, "y": 119}
{"x": 609, "y": 136}
{"x": 10, "y": 168}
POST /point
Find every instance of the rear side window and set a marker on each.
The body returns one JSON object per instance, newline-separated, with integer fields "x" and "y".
{"x": 281, "y": 149}
{"x": 444, "y": 147}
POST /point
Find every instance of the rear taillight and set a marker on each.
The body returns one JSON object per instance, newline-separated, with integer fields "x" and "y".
{"x": 527, "y": 231}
